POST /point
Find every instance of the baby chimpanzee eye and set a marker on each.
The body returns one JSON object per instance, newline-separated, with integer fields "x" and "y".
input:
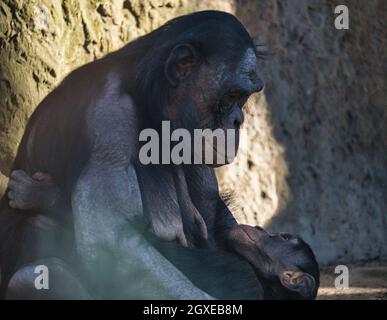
{"x": 286, "y": 236}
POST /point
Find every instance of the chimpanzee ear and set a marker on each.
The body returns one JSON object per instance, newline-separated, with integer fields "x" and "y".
{"x": 300, "y": 282}
{"x": 180, "y": 63}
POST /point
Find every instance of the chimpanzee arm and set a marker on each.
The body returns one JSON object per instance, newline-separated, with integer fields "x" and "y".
{"x": 106, "y": 200}
{"x": 159, "y": 198}
{"x": 204, "y": 191}
{"x": 224, "y": 217}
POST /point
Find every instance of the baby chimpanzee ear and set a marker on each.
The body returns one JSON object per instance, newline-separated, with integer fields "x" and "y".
{"x": 300, "y": 282}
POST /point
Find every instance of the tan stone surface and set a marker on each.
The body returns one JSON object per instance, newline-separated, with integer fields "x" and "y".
{"x": 367, "y": 281}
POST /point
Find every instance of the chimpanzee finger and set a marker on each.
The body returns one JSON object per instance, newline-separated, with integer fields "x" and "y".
{"x": 11, "y": 195}
{"x": 200, "y": 223}
{"x": 19, "y": 175}
{"x": 180, "y": 237}
{"x": 196, "y": 218}
{"x": 41, "y": 176}
{"x": 12, "y": 204}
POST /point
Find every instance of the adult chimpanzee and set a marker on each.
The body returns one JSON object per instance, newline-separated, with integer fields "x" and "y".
{"x": 196, "y": 71}
{"x": 285, "y": 267}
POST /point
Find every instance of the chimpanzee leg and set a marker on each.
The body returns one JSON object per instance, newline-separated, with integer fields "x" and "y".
{"x": 28, "y": 283}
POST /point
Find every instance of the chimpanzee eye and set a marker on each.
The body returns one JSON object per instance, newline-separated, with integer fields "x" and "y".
{"x": 237, "y": 95}
{"x": 224, "y": 106}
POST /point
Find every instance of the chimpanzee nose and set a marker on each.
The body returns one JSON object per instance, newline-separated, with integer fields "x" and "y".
{"x": 237, "y": 118}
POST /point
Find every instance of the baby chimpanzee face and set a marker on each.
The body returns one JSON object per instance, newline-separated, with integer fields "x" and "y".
{"x": 288, "y": 249}
{"x": 281, "y": 256}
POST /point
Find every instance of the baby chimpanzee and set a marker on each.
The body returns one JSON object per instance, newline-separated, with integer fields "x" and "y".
{"x": 258, "y": 265}
{"x": 284, "y": 262}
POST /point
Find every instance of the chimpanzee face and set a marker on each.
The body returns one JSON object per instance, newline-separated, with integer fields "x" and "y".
{"x": 285, "y": 248}
{"x": 288, "y": 249}
{"x": 211, "y": 94}
{"x": 282, "y": 255}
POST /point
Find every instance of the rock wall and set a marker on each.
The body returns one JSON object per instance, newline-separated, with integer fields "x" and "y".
{"x": 314, "y": 160}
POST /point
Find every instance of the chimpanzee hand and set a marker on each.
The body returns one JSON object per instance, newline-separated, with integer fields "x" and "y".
{"x": 38, "y": 192}
{"x": 159, "y": 197}
{"x": 168, "y": 226}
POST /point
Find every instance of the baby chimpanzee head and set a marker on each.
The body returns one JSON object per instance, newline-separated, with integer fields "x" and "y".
{"x": 284, "y": 262}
